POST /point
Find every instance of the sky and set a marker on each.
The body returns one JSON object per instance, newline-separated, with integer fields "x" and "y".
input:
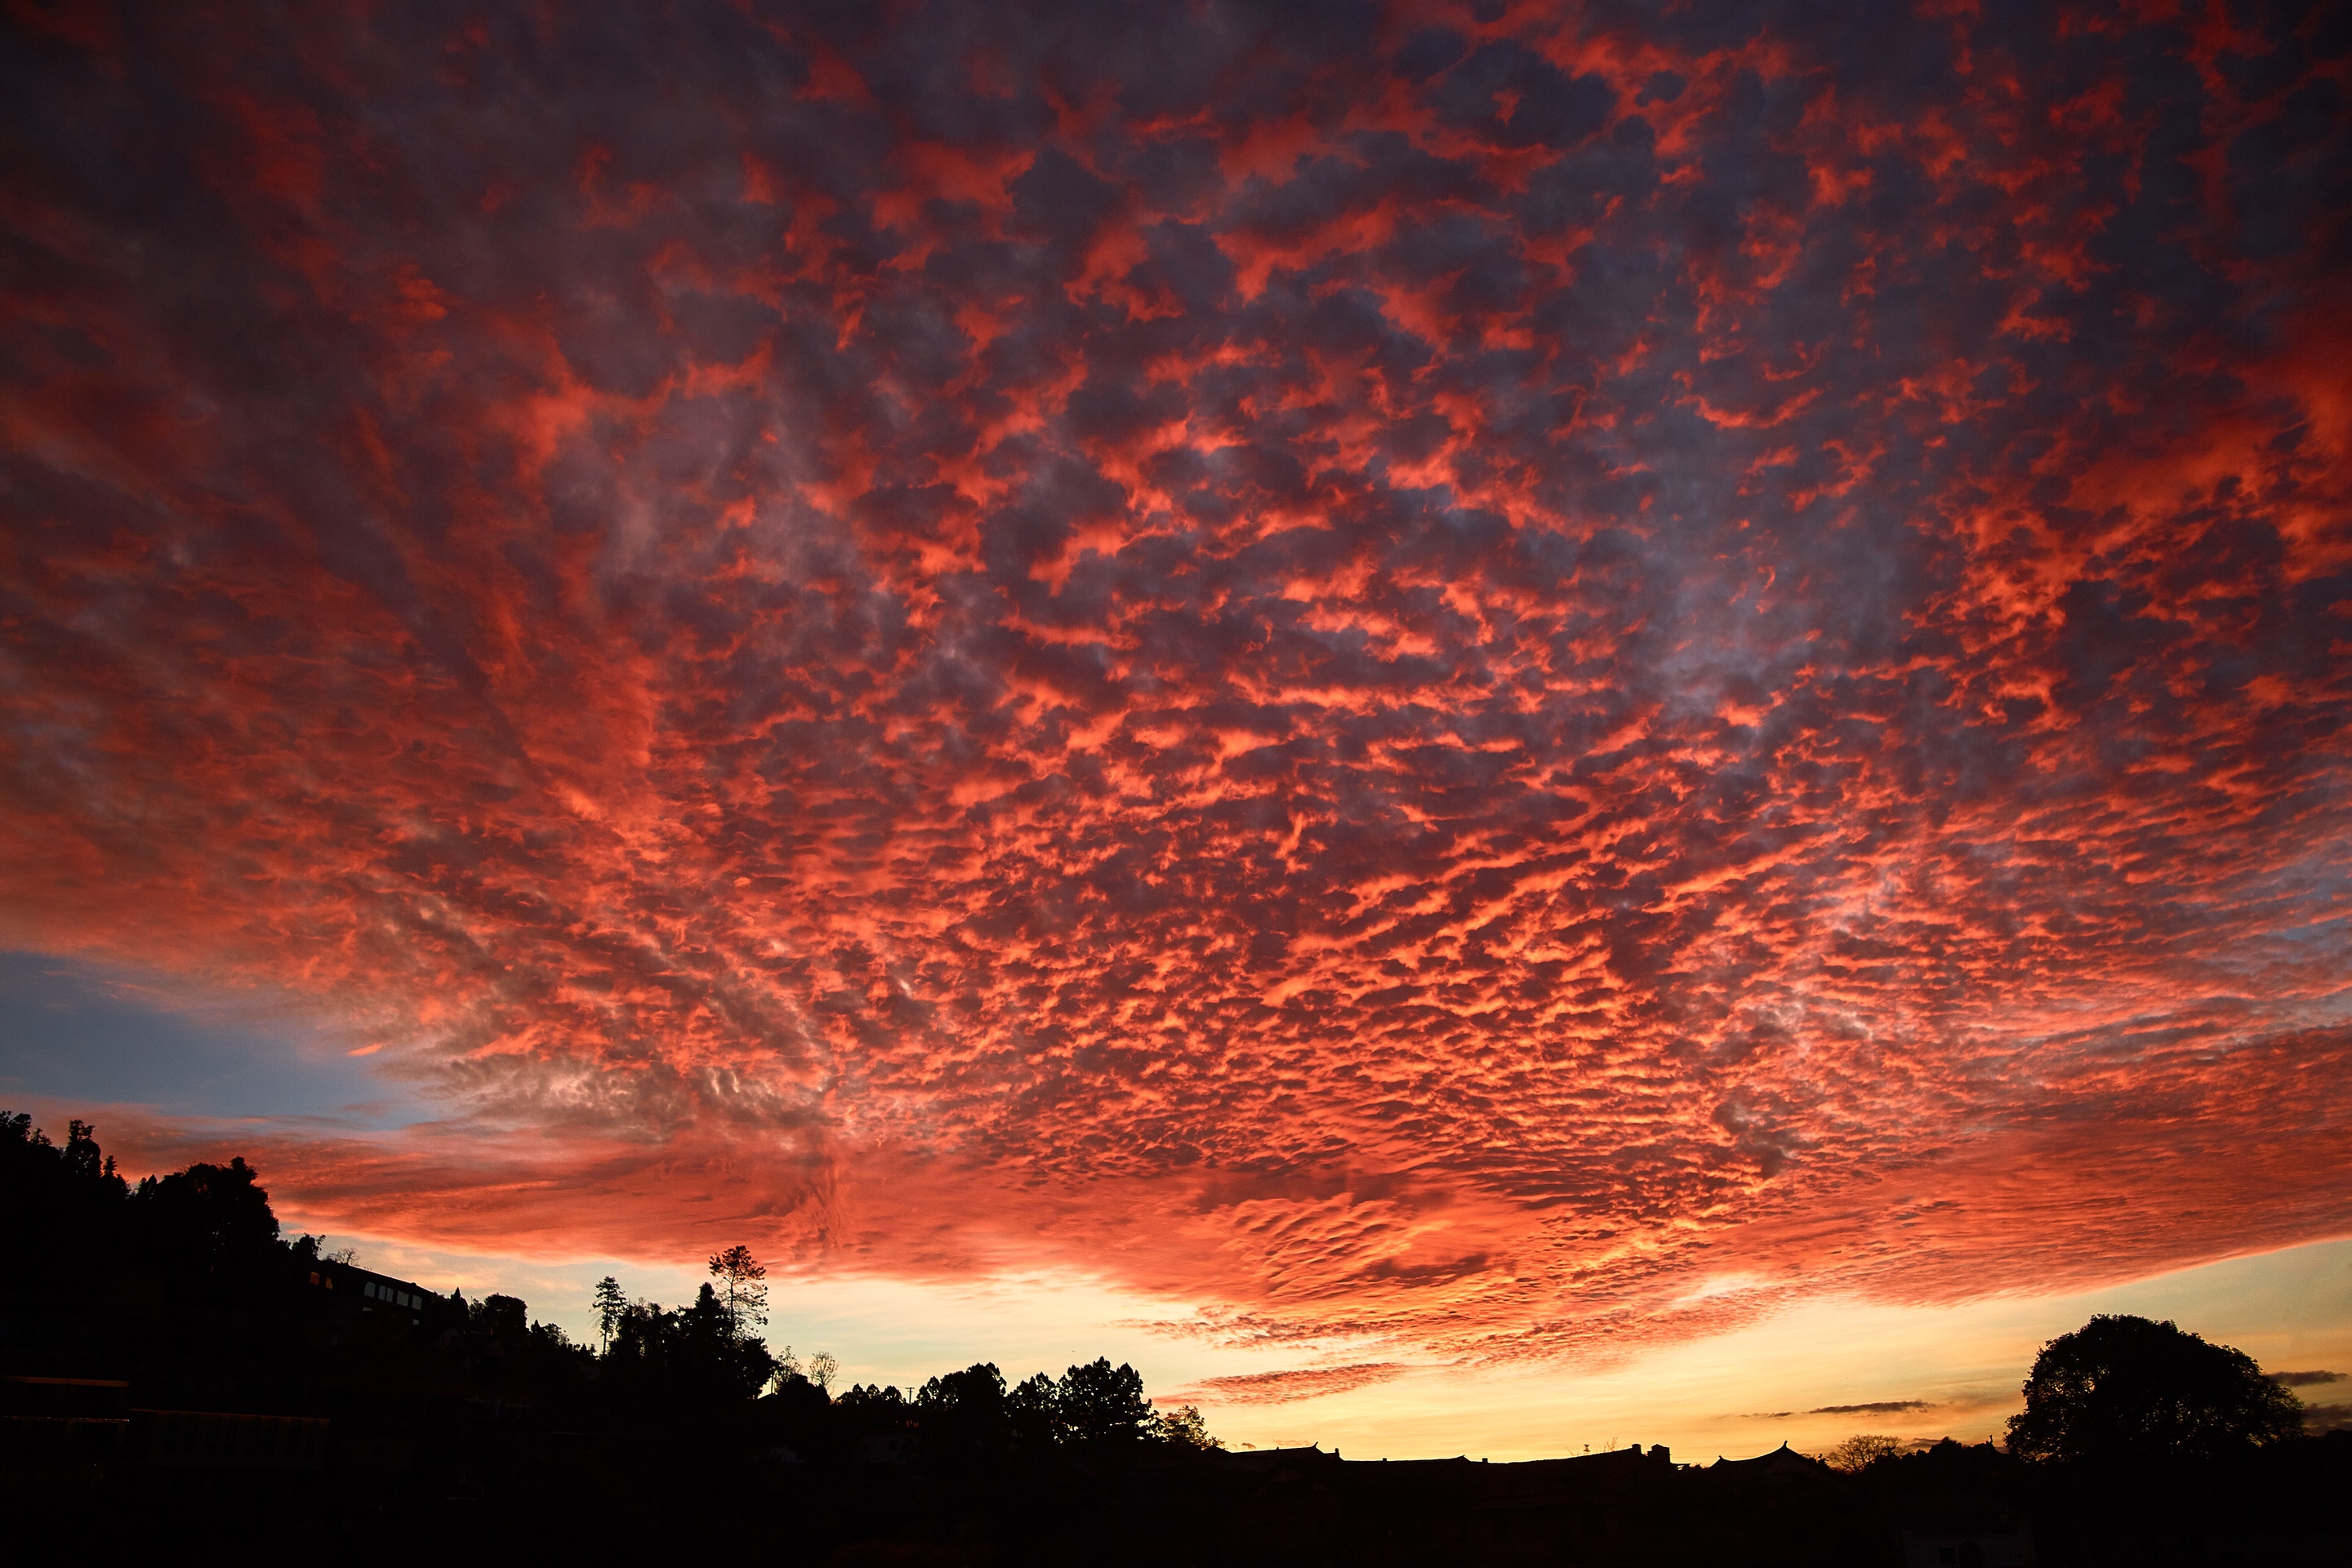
{"x": 1483, "y": 729}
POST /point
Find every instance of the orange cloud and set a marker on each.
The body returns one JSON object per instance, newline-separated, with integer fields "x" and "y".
{"x": 1443, "y": 684}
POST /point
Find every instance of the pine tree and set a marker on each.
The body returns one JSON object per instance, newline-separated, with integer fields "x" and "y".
{"x": 609, "y": 1304}
{"x": 745, "y": 1283}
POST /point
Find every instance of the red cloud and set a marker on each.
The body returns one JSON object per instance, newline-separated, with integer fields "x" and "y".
{"x": 1287, "y": 1387}
{"x": 1414, "y": 680}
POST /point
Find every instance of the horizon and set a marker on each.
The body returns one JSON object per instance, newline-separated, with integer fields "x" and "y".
{"x": 912, "y": 1332}
{"x": 1481, "y": 729}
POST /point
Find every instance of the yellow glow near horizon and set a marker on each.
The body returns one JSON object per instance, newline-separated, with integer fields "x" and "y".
{"x": 1734, "y": 1394}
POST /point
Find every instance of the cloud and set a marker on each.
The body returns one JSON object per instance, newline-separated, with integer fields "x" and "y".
{"x": 1877, "y": 1407}
{"x": 2305, "y": 1379}
{"x": 1286, "y": 1387}
{"x": 1420, "y": 682}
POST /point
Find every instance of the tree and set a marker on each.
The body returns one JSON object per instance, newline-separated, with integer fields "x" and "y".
{"x": 962, "y": 1414}
{"x": 820, "y": 1368}
{"x": 1861, "y": 1451}
{"x": 1098, "y": 1402}
{"x": 1035, "y": 1408}
{"x": 669, "y": 1362}
{"x": 977, "y": 1392}
{"x": 81, "y": 1153}
{"x": 67, "y": 1214}
{"x": 1184, "y": 1428}
{"x": 608, "y": 1305}
{"x": 504, "y": 1318}
{"x": 207, "y": 1217}
{"x": 744, "y": 1281}
{"x": 2121, "y": 1389}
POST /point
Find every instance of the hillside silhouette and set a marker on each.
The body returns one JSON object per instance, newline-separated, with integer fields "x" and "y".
{"x": 175, "y": 1374}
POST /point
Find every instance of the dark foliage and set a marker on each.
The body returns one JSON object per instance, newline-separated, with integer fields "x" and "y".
{"x": 64, "y": 1203}
{"x": 2124, "y": 1390}
{"x": 208, "y": 1220}
{"x": 1102, "y": 1405}
{"x": 689, "y": 1357}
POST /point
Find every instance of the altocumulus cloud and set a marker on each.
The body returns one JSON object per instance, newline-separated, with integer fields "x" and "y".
{"x": 1286, "y": 1386}
{"x": 1403, "y": 673}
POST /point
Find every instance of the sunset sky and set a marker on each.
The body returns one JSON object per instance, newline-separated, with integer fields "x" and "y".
{"x": 1480, "y": 727}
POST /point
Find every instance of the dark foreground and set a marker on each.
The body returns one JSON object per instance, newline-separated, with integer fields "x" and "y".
{"x": 498, "y": 1486}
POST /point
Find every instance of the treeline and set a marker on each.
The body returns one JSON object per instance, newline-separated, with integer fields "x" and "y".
{"x": 973, "y": 1413}
{"x": 185, "y": 1283}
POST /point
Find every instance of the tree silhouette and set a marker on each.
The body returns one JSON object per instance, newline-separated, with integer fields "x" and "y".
{"x": 1098, "y": 1402}
{"x": 609, "y": 1304}
{"x": 677, "y": 1362}
{"x": 81, "y": 1153}
{"x": 67, "y": 1212}
{"x": 1861, "y": 1451}
{"x": 744, "y": 1283}
{"x": 977, "y": 1390}
{"x": 1185, "y": 1427}
{"x": 816, "y": 1371}
{"x": 504, "y": 1318}
{"x": 207, "y": 1217}
{"x": 2127, "y": 1389}
{"x": 963, "y": 1413}
{"x": 1035, "y": 1410}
